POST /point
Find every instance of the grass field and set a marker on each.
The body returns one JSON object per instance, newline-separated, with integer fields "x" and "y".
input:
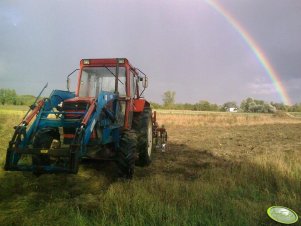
{"x": 296, "y": 114}
{"x": 219, "y": 169}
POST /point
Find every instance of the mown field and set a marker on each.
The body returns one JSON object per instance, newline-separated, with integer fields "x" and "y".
{"x": 219, "y": 169}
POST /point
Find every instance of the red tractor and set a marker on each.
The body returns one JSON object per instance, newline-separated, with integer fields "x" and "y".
{"x": 105, "y": 118}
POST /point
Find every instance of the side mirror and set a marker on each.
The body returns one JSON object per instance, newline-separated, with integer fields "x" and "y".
{"x": 68, "y": 84}
{"x": 145, "y": 82}
{"x": 68, "y": 80}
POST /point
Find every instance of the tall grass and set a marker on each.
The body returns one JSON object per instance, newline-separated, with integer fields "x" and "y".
{"x": 218, "y": 170}
{"x": 296, "y": 114}
{"x": 222, "y": 119}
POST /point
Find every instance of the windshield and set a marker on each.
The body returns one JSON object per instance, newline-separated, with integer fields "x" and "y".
{"x": 97, "y": 79}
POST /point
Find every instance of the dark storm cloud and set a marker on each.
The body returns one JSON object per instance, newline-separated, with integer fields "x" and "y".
{"x": 184, "y": 46}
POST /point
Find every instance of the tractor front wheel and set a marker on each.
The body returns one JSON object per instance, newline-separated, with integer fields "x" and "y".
{"x": 126, "y": 154}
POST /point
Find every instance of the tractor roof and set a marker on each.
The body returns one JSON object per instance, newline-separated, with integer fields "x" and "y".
{"x": 104, "y": 62}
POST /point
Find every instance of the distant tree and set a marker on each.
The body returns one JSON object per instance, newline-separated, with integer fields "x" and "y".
{"x": 227, "y": 105}
{"x": 205, "y": 105}
{"x": 280, "y": 106}
{"x": 251, "y": 105}
{"x": 268, "y": 108}
{"x": 8, "y": 96}
{"x": 188, "y": 106}
{"x": 25, "y": 100}
{"x": 202, "y": 105}
{"x": 169, "y": 99}
{"x": 2, "y": 96}
{"x": 155, "y": 105}
{"x": 214, "y": 107}
{"x": 295, "y": 108}
{"x": 245, "y": 104}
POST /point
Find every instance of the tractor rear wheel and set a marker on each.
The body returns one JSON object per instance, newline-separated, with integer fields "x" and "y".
{"x": 126, "y": 154}
{"x": 142, "y": 123}
{"x": 43, "y": 140}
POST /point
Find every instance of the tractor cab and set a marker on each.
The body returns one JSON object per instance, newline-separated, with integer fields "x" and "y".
{"x": 94, "y": 79}
{"x": 115, "y": 76}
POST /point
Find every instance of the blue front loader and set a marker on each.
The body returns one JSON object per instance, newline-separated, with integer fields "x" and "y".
{"x": 37, "y": 144}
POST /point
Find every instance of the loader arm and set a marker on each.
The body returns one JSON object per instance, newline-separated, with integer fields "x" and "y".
{"x": 96, "y": 115}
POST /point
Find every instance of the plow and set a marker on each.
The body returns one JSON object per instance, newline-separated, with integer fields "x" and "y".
{"x": 106, "y": 117}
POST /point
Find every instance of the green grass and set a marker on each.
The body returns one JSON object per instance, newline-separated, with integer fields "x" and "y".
{"x": 210, "y": 175}
{"x": 13, "y": 110}
{"x": 14, "y": 107}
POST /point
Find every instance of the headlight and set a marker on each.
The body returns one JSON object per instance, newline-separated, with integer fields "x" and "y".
{"x": 86, "y": 62}
{"x": 121, "y": 61}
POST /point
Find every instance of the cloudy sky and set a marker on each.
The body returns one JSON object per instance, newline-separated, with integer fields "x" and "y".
{"x": 186, "y": 46}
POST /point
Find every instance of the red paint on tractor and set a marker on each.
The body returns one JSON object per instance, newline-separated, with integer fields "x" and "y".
{"x": 34, "y": 112}
{"x": 139, "y": 105}
{"x": 80, "y": 99}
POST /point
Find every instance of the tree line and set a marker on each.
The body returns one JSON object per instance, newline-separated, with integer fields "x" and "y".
{"x": 247, "y": 105}
{"x": 10, "y": 97}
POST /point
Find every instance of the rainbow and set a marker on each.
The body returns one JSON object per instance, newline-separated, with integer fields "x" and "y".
{"x": 270, "y": 71}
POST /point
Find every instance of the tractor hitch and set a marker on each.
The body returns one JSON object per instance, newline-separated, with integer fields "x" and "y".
{"x": 159, "y": 134}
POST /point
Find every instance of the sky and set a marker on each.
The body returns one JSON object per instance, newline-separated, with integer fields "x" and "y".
{"x": 186, "y": 46}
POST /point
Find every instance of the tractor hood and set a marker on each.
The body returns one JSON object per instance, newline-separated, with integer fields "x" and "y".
{"x": 87, "y": 100}
{"x": 77, "y": 104}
